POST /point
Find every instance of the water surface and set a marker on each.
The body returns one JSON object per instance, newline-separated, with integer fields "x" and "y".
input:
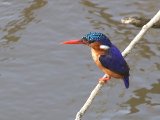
{"x": 43, "y": 80}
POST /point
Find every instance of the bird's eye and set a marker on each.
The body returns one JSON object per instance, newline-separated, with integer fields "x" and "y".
{"x": 91, "y": 41}
{"x": 88, "y": 40}
{"x": 85, "y": 41}
{"x": 84, "y": 38}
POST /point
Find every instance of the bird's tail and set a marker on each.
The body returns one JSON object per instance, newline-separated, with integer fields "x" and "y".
{"x": 126, "y": 81}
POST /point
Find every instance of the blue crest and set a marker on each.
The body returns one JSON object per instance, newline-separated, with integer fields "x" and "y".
{"x": 97, "y": 37}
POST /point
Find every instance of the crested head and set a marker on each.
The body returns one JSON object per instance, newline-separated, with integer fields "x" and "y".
{"x": 95, "y": 40}
{"x": 97, "y": 37}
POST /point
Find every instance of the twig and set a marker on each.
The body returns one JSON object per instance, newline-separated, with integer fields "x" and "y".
{"x": 124, "y": 53}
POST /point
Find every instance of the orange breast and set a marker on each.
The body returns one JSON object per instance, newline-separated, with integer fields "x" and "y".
{"x": 95, "y": 55}
{"x": 111, "y": 73}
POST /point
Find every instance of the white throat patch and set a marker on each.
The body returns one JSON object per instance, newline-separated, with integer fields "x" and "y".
{"x": 104, "y": 47}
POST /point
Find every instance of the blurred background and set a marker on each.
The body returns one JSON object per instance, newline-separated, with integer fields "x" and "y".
{"x": 40, "y": 79}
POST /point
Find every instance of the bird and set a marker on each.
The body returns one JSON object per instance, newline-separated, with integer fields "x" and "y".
{"x": 106, "y": 56}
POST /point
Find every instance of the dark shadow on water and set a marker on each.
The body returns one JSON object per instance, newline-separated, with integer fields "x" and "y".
{"x": 101, "y": 19}
{"x": 143, "y": 98}
{"x": 98, "y": 16}
{"x": 26, "y": 17}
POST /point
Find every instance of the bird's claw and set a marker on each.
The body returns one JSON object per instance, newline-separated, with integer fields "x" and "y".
{"x": 104, "y": 80}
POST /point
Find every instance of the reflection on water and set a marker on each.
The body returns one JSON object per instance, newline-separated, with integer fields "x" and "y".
{"x": 145, "y": 51}
{"x": 26, "y": 17}
{"x": 98, "y": 16}
{"x": 147, "y": 45}
{"x": 102, "y": 18}
{"x": 141, "y": 97}
{"x": 31, "y": 73}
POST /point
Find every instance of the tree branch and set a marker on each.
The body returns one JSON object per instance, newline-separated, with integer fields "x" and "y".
{"x": 124, "y": 53}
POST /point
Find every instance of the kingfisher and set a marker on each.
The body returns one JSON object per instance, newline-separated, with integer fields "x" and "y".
{"x": 106, "y": 56}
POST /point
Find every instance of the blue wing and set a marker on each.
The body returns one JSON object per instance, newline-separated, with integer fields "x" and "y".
{"x": 126, "y": 81}
{"x": 115, "y": 61}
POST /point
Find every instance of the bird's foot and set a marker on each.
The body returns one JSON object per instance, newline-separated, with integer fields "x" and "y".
{"x": 104, "y": 80}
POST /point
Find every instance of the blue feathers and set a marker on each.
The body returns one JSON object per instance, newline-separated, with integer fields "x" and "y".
{"x": 112, "y": 60}
{"x": 97, "y": 37}
{"x": 115, "y": 62}
{"x": 126, "y": 81}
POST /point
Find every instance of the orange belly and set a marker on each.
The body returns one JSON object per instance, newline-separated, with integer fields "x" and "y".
{"x": 95, "y": 56}
{"x": 111, "y": 73}
{"x": 108, "y": 72}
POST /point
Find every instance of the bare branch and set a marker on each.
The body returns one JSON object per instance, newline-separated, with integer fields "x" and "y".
{"x": 124, "y": 53}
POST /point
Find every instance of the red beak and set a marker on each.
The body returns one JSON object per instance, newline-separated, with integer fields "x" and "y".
{"x": 74, "y": 42}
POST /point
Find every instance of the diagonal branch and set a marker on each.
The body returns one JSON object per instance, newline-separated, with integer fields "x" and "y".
{"x": 124, "y": 53}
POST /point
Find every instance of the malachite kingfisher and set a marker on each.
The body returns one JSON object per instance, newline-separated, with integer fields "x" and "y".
{"x": 106, "y": 56}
